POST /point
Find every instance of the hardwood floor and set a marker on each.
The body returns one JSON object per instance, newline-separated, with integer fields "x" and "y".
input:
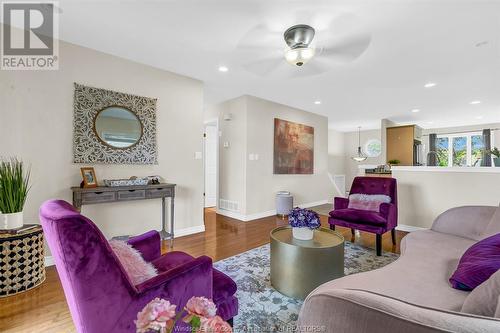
{"x": 44, "y": 309}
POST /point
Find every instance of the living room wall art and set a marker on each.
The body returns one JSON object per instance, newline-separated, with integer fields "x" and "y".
{"x": 293, "y": 148}
{"x": 112, "y": 127}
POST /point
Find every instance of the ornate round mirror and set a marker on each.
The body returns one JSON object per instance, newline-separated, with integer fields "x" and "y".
{"x": 118, "y": 127}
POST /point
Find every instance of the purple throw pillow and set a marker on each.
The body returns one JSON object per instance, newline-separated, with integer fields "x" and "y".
{"x": 477, "y": 264}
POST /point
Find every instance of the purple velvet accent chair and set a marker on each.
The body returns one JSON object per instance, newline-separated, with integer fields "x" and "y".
{"x": 101, "y": 297}
{"x": 375, "y": 222}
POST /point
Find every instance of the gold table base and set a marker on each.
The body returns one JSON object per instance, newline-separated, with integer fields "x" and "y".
{"x": 298, "y": 267}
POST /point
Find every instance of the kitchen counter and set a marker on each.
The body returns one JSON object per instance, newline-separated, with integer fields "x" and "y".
{"x": 425, "y": 192}
{"x": 446, "y": 169}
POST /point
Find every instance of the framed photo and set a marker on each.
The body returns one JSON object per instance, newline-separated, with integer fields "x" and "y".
{"x": 89, "y": 178}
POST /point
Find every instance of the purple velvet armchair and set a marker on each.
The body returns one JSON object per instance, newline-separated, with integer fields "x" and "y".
{"x": 375, "y": 222}
{"x": 100, "y": 296}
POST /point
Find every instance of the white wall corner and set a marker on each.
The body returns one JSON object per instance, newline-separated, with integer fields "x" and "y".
{"x": 189, "y": 231}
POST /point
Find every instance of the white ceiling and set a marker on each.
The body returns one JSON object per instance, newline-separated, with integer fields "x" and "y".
{"x": 413, "y": 42}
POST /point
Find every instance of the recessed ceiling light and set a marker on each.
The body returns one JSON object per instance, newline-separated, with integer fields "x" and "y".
{"x": 317, "y": 102}
{"x": 430, "y": 84}
{"x": 475, "y": 102}
{"x": 415, "y": 110}
{"x": 479, "y": 117}
{"x": 223, "y": 69}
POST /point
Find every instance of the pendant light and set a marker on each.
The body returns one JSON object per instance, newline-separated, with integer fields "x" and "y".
{"x": 360, "y": 157}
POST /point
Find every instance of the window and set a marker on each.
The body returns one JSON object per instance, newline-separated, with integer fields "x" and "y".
{"x": 458, "y": 150}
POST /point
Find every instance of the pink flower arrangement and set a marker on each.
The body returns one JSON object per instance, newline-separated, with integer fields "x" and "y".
{"x": 159, "y": 316}
{"x": 200, "y": 307}
{"x": 215, "y": 325}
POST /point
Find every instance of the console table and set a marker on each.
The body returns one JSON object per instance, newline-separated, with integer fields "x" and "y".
{"x": 105, "y": 194}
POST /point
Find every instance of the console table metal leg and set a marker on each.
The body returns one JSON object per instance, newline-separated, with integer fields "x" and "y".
{"x": 172, "y": 205}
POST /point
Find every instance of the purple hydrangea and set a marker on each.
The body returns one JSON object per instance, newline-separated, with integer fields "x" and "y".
{"x": 302, "y": 218}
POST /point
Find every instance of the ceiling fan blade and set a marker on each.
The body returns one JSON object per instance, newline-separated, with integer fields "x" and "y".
{"x": 263, "y": 67}
{"x": 260, "y": 38}
{"x": 345, "y": 48}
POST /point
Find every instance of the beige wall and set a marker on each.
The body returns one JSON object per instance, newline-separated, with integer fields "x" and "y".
{"x": 351, "y": 148}
{"x": 252, "y": 183}
{"x": 232, "y": 159}
{"x": 384, "y": 123}
{"x": 261, "y": 183}
{"x": 423, "y": 195}
{"x": 336, "y": 152}
{"x": 36, "y": 124}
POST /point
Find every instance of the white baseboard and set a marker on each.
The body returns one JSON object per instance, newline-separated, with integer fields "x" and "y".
{"x": 49, "y": 260}
{"x": 408, "y": 228}
{"x": 255, "y": 216}
{"x": 189, "y": 231}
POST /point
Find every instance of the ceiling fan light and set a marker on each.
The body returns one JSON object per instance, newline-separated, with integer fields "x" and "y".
{"x": 299, "y": 55}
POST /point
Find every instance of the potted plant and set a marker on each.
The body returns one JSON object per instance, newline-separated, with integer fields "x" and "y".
{"x": 303, "y": 222}
{"x": 393, "y": 162}
{"x": 495, "y": 152}
{"x": 14, "y": 188}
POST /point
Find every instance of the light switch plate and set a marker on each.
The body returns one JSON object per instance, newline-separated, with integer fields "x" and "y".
{"x": 198, "y": 155}
{"x": 226, "y": 144}
{"x": 251, "y": 157}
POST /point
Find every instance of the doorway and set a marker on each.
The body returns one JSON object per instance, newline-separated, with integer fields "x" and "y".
{"x": 211, "y": 162}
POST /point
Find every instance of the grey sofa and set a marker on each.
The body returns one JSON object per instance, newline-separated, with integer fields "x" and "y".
{"x": 413, "y": 293}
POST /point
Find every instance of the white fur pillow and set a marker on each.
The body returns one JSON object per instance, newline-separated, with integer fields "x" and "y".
{"x": 138, "y": 270}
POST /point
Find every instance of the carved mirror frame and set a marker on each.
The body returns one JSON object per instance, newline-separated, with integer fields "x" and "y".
{"x": 89, "y": 148}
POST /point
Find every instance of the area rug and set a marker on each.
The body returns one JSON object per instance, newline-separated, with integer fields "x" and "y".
{"x": 262, "y": 308}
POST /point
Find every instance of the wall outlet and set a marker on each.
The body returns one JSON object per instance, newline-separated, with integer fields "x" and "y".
{"x": 198, "y": 155}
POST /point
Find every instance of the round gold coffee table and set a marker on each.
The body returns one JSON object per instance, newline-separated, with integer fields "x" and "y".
{"x": 298, "y": 267}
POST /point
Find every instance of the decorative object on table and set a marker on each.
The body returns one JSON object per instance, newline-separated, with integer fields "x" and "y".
{"x": 373, "y": 148}
{"x": 496, "y": 160}
{"x": 293, "y": 148}
{"x": 14, "y": 188}
{"x": 126, "y": 182}
{"x": 260, "y": 305}
{"x": 113, "y": 128}
{"x": 284, "y": 203}
{"x": 21, "y": 260}
{"x": 133, "y": 181}
{"x": 160, "y": 315}
{"x": 89, "y": 177}
{"x": 384, "y": 219}
{"x": 360, "y": 156}
{"x": 393, "y": 162}
{"x": 303, "y": 222}
{"x": 182, "y": 275}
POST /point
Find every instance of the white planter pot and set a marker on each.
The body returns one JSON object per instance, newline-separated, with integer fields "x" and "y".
{"x": 11, "y": 221}
{"x": 303, "y": 233}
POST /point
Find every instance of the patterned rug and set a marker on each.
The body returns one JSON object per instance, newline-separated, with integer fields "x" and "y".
{"x": 262, "y": 308}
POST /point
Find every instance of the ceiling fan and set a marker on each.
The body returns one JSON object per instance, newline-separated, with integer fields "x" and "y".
{"x": 311, "y": 51}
